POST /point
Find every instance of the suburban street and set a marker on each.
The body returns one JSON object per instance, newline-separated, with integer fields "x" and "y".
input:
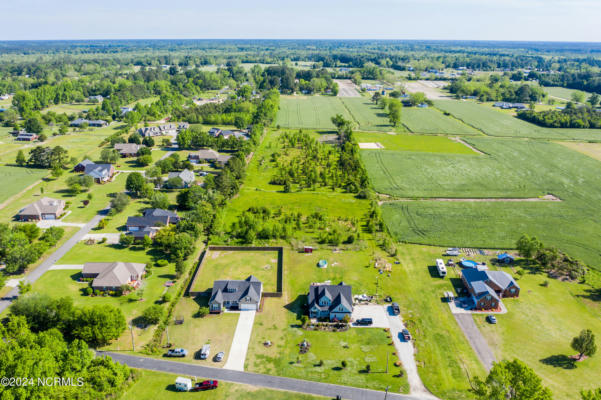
{"x": 35, "y": 274}
{"x": 248, "y": 378}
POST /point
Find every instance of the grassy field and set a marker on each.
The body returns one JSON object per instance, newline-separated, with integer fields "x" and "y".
{"x": 563, "y": 93}
{"x": 152, "y": 385}
{"x": 429, "y": 120}
{"x": 368, "y": 115}
{"x": 590, "y": 149}
{"x": 216, "y": 330}
{"x": 559, "y": 312}
{"x": 15, "y": 179}
{"x": 510, "y": 168}
{"x": 70, "y": 108}
{"x": 239, "y": 265}
{"x": 309, "y": 111}
{"x": 418, "y": 143}
{"x": 496, "y": 123}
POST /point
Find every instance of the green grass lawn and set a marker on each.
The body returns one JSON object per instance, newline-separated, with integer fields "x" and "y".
{"x": 216, "y": 330}
{"x": 15, "y": 179}
{"x": 407, "y": 142}
{"x": 153, "y": 385}
{"x": 497, "y": 123}
{"x": 70, "y": 108}
{"x": 539, "y": 327}
{"x": 563, "y": 93}
{"x": 429, "y": 120}
{"x": 238, "y": 265}
{"x": 510, "y": 168}
{"x": 309, "y": 111}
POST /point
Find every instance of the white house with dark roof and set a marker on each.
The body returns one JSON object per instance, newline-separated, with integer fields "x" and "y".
{"x": 333, "y": 302}
{"x": 236, "y": 295}
{"x": 100, "y": 172}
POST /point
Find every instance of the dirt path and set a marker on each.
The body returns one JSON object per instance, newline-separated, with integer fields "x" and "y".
{"x": 459, "y": 140}
{"x": 432, "y": 89}
{"x": 547, "y": 197}
{"x": 346, "y": 88}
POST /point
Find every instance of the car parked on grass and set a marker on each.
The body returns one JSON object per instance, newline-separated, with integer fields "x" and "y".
{"x": 406, "y": 335}
{"x": 364, "y": 321}
{"x": 491, "y": 319}
{"x": 179, "y": 352}
{"x": 219, "y": 356}
{"x": 396, "y": 310}
{"x": 205, "y": 385}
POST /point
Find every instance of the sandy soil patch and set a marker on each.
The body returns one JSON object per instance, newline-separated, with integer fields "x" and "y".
{"x": 370, "y": 146}
{"x": 432, "y": 89}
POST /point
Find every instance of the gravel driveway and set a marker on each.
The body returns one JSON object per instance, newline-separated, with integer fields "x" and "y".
{"x": 377, "y": 313}
{"x": 476, "y": 340}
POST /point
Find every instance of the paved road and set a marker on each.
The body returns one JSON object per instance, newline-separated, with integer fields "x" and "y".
{"x": 477, "y": 341}
{"x": 239, "y": 347}
{"x": 53, "y": 258}
{"x": 248, "y": 378}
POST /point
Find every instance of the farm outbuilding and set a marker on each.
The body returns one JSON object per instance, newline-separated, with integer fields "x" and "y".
{"x": 505, "y": 258}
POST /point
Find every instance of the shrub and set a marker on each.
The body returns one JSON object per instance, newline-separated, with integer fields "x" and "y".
{"x": 166, "y": 297}
{"x": 162, "y": 263}
{"x": 343, "y": 363}
{"x": 89, "y": 291}
{"x": 153, "y": 314}
{"x": 202, "y": 312}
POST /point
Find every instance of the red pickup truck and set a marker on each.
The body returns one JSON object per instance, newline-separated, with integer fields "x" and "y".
{"x": 205, "y": 385}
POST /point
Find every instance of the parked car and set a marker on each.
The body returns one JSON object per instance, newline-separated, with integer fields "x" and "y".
{"x": 219, "y": 356}
{"x": 491, "y": 319}
{"x": 177, "y": 352}
{"x": 395, "y": 308}
{"x": 205, "y": 385}
{"x": 364, "y": 321}
{"x": 205, "y": 351}
{"x": 406, "y": 335}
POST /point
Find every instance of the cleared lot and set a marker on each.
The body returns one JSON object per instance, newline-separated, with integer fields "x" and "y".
{"x": 346, "y": 88}
{"x": 376, "y": 313}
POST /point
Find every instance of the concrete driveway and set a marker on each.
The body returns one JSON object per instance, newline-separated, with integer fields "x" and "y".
{"x": 237, "y": 353}
{"x": 375, "y": 312}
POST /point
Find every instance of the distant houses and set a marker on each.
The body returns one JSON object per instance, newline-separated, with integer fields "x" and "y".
{"x": 150, "y": 222}
{"x": 209, "y": 155}
{"x": 128, "y": 149}
{"x": 487, "y": 288}
{"x": 100, "y": 172}
{"x": 26, "y": 136}
{"x": 95, "y": 99}
{"x": 43, "y": 209}
{"x": 125, "y": 110}
{"x": 97, "y": 123}
{"x": 163, "y": 130}
{"x": 507, "y": 106}
{"x": 333, "y": 302}
{"x": 113, "y": 275}
{"x": 236, "y": 295}
{"x": 226, "y": 134}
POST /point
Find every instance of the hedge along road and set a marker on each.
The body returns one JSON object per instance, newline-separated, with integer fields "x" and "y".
{"x": 53, "y": 258}
{"x": 268, "y": 381}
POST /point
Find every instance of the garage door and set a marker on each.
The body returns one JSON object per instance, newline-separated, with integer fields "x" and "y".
{"x": 248, "y": 307}
{"x": 48, "y": 216}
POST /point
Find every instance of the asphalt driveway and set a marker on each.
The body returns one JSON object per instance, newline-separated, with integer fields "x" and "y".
{"x": 476, "y": 340}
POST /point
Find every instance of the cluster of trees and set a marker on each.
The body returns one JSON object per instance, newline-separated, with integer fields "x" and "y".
{"x": 44, "y": 157}
{"x": 196, "y": 138}
{"x": 96, "y": 325}
{"x": 497, "y": 88}
{"x": 570, "y": 117}
{"x": 29, "y": 353}
{"x": 550, "y": 259}
{"x": 23, "y": 244}
{"x": 287, "y": 79}
{"x": 587, "y": 80}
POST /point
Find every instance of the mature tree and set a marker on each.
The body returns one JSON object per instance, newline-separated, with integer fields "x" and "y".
{"x": 527, "y": 246}
{"x": 21, "y": 160}
{"x": 148, "y": 141}
{"x": 511, "y": 380}
{"x": 578, "y": 96}
{"x": 126, "y": 240}
{"x": 24, "y": 287}
{"x": 584, "y": 344}
{"x": 144, "y": 160}
{"x": 109, "y": 155}
{"x": 376, "y": 97}
{"x": 119, "y": 202}
{"x": 394, "y": 111}
{"x": 43, "y": 312}
{"x": 153, "y": 314}
{"x": 159, "y": 200}
{"x": 98, "y": 325}
{"x": 594, "y": 99}
{"x": 33, "y": 125}
{"x": 135, "y": 184}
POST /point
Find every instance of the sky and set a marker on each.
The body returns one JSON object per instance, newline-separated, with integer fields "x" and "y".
{"x": 523, "y": 20}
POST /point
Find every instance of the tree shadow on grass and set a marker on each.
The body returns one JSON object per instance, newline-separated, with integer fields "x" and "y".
{"x": 559, "y": 361}
{"x": 593, "y": 294}
{"x": 297, "y": 306}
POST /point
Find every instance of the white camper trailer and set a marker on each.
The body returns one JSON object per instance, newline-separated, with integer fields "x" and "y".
{"x": 183, "y": 384}
{"x": 442, "y": 269}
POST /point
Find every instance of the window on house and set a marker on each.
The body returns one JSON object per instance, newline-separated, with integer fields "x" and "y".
{"x": 488, "y": 297}
{"x": 512, "y": 290}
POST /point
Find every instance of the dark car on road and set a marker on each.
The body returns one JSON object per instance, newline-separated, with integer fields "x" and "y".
{"x": 177, "y": 353}
{"x": 205, "y": 385}
{"x": 364, "y": 321}
{"x": 406, "y": 335}
{"x": 396, "y": 310}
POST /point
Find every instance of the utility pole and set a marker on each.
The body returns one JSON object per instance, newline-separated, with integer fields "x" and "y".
{"x": 167, "y": 331}
{"x": 386, "y": 395}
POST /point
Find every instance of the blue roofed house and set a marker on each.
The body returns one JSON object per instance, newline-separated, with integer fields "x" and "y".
{"x": 505, "y": 258}
{"x": 333, "y": 302}
{"x": 487, "y": 288}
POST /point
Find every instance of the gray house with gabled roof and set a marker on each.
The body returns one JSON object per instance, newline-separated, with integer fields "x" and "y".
{"x": 487, "y": 288}
{"x": 236, "y": 295}
{"x": 333, "y": 302}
